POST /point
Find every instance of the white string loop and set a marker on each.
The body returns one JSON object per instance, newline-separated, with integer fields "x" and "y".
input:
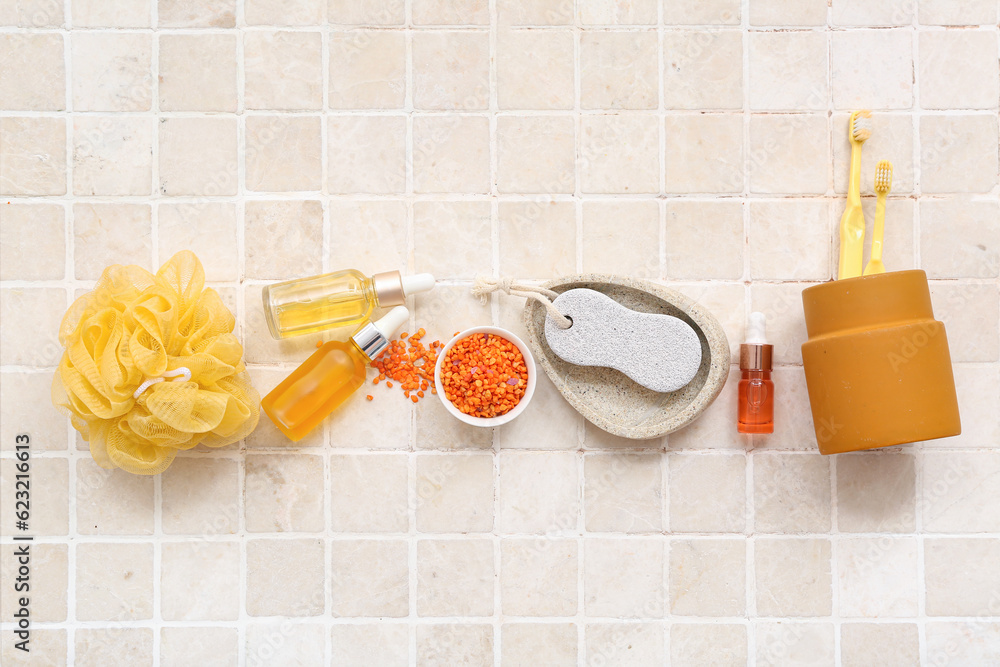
{"x": 484, "y": 286}
{"x": 179, "y": 371}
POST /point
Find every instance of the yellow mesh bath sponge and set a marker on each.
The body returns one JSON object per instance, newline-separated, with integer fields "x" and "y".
{"x": 152, "y": 367}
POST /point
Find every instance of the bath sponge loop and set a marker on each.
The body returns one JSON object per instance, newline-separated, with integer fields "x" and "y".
{"x": 484, "y": 286}
{"x": 177, "y": 372}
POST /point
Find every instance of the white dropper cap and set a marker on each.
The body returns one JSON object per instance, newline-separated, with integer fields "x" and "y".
{"x": 395, "y": 318}
{"x": 421, "y": 282}
{"x": 757, "y": 329}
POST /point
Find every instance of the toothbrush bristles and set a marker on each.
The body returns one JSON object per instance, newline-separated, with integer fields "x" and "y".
{"x": 861, "y": 125}
{"x": 883, "y": 177}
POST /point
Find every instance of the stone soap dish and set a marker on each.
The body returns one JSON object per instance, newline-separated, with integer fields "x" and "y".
{"x": 607, "y": 397}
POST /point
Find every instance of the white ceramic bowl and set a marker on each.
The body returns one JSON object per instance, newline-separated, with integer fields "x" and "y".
{"x": 487, "y": 422}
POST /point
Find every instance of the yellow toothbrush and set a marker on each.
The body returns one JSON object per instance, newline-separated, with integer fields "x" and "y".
{"x": 883, "y": 183}
{"x": 852, "y": 224}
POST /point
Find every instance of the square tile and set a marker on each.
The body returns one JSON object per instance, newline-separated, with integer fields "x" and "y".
{"x": 951, "y": 640}
{"x": 712, "y": 247}
{"x": 790, "y": 240}
{"x": 451, "y": 154}
{"x": 370, "y": 493}
{"x": 791, "y": 493}
{"x": 286, "y": 644}
{"x": 793, "y": 577}
{"x": 966, "y": 140}
{"x": 790, "y": 154}
{"x": 41, "y": 227}
{"x": 943, "y": 12}
{"x": 860, "y": 13}
{"x": 959, "y": 238}
{"x": 879, "y": 644}
{"x": 878, "y": 577}
{"x": 858, "y": 85}
{"x": 623, "y": 493}
{"x": 534, "y": 12}
{"x": 961, "y": 576}
{"x": 283, "y": 70}
{"x": 617, "y": 12}
{"x": 440, "y": 645}
{"x": 197, "y": 13}
{"x": 707, "y": 577}
{"x": 707, "y": 493}
{"x": 283, "y": 238}
{"x": 703, "y": 69}
{"x": 455, "y": 577}
{"x": 109, "y": 234}
{"x": 371, "y": 235}
{"x": 47, "y": 581}
{"x": 208, "y": 226}
{"x": 358, "y": 645}
{"x": 788, "y": 70}
{"x": 785, "y": 643}
{"x": 200, "y": 497}
{"x": 451, "y": 238}
{"x": 551, "y": 644}
{"x": 536, "y": 154}
{"x": 782, "y": 13}
{"x": 211, "y": 647}
{"x": 301, "y": 595}
{"x": 371, "y": 578}
{"x": 625, "y": 644}
{"x": 971, "y": 313}
{"x": 606, "y": 249}
{"x": 978, "y": 389}
{"x": 539, "y": 577}
{"x": 44, "y": 307}
{"x": 112, "y": 156}
{"x": 442, "y": 12}
{"x": 111, "y": 71}
{"x": 26, "y": 403}
{"x": 24, "y": 55}
{"x": 704, "y": 153}
{"x": 365, "y": 12}
{"x": 539, "y": 492}
{"x": 619, "y": 154}
{"x": 947, "y": 60}
{"x": 32, "y": 14}
{"x": 200, "y": 581}
{"x": 959, "y": 492}
{"x": 714, "y": 428}
{"x": 619, "y": 70}
{"x": 283, "y": 154}
{"x": 197, "y": 72}
{"x": 114, "y": 582}
{"x": 366, "y": 154}
{"x": 113, "y": 645}
{"x": 198, "y": 156}
{"x": 891, "y": 135}
{"x": 693, "y": 644}
{"x": 451, "y": 70}
{"x": 284, "y": 493}
{"x": 454, "y": 493}
{"x": 32, "y": 156}
{"x": 699, "y": 12}
{"x": 537, "y": 239}
{"x": 367, "y": 70}
{"x": 292, "y": 12}
{"x": 122, "y": 14}
{"x": 535, "y": 69}
{"x": 876, "y": 492}
{"x": 623, "y": 578}
{"x": 112, "y": 502}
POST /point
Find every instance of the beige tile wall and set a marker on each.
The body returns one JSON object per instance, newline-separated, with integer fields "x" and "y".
{"x": 697, "y": 143}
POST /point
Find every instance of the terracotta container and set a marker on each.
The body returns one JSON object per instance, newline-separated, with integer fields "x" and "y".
{"x": 877, "y": 363}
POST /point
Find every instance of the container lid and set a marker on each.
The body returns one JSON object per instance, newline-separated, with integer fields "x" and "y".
{"x": 373, "y": 337}
{"x": 391, "y": 288}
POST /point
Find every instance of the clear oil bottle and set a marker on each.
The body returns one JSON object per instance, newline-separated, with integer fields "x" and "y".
{"x": 336, "y": 299}
{"x": 328, "y": 378}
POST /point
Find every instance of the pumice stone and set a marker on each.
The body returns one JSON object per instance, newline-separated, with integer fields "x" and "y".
{"x": 659, "y": 352}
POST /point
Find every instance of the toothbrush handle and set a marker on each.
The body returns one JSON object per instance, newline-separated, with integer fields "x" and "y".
{"x": 879, "y": 230}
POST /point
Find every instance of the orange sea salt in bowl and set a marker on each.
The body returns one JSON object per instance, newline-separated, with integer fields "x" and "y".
{"x": 485, "y": 376}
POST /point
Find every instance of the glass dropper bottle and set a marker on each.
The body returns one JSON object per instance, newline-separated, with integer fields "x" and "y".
{"x": 328, "y": 378}
{"x": 756, "y": 390}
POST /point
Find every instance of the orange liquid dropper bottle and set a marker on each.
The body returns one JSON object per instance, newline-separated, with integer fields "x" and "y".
{"x": 756, "y": 391}
{"x": 328, "y": 378}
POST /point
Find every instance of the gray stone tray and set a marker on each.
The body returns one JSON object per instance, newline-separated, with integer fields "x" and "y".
{"x": 608, "y": 398}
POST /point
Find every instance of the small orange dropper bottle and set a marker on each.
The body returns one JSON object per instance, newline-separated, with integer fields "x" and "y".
{"x": 756, "y": 392}
{"x": 327, "y": 378}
